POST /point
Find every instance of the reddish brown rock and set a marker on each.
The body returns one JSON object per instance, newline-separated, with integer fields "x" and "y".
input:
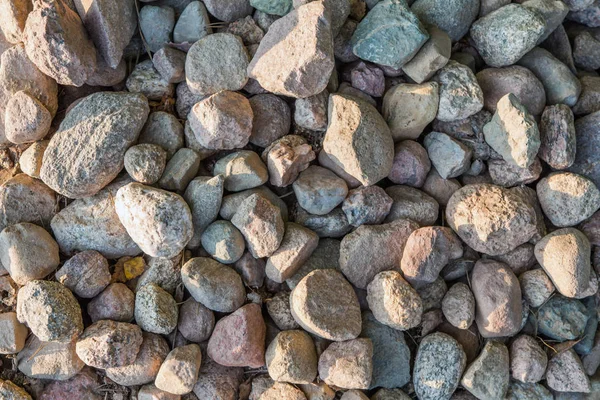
{"x": 116, "y": 302}
{"x": 411, "y": 164}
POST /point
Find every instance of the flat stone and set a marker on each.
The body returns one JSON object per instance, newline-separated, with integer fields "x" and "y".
{"x": 347, "y": 364}
{"x": 203, "y": 195}
{"x": 180, "y": 170}
{"x": 460, "y": 94}
{"x": 179, "y": 372}
{"x": 49, "y": 360}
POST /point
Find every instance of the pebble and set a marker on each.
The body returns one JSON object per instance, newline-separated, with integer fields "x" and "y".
{"x": 238, "y": 340}
{"x": 26, "y": 119}
{"x": 180, "y": 170}
{"x": 536, "y": 287}
{"x": 153, "y": 351}
{"x": 58, "y": 44}
{"x": 204, "y": 196}
{"x": 50, "y": 310}
{"x": 145, "y": 162}
{"x": 347, "y": 364}
{"x": 326, "y": 287}
{"x": 193, "y": 24}
{"x": 261, "y": 224}
{"x": 438, "y": 188}
{"x": 297, "y": 245}
{"x": 371, "y": 249}
{"x": 561, "y": 318}
{"x": 13, "y": 392}
{"x": 565, "y": 373}
{"x": 49, "y": 360}
{"x": 311, "y": 112}
{"x": 216, "y": 62}
{"x": 295, "y": 58}
{"x": 440, "y": 359}
{"x": 242, "y": 170}
{"x": 222, "y": 121}
{"x": 272, "y": 119}
{"x": 86, "y": 274}
{"x": 93, "y": 137}
{"x": 156, "y": 24}
{"x": 223, "y": 242}
{"x": 108, "y": 344}
{"x": 450, "y": 157}
{"x": 13, "y": 335}
{"x": 179, "y": 372}
{"x": 155, "y": 310}
{"x": 229, "y": 10}
{"x": 367, "y": 206}
{"x": 503, "y": 36}
{"x": 488, "y": 376}
{"x": 170, "y": 64}
{"x": 319, "y": 190}
{"x": 498, "y": 297}
{"x": 411, "y": 164}
{"x": 282, "y": 391}
{"x": 413, "y": 204}
{"x": 287, "y": 158}
{"x": 393, "y": 301}
{"x": 279, "y": 309}
{"x": 196, "y": 322}
{"x": 491, "y": 219}
{"x": 31, "y": 159}
{"x": 163, "y": 129}
{"x": 458, "y": 306}
{"x": 560, "y": 84}
{"x": 291, "y": 357}
{"x": 590, "y": 93}
{"x": 160, "y": 222}
{"x": 116, "y": 302}
{"x": 146, "y": 80}
{"x": 373, "y": 44}
{"x": 528, "y": 361}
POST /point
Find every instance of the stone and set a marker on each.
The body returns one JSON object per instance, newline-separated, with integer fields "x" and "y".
{"x": 561, "y": 318}
{"x": 50, "y": 310}
{"x": 586, "y": 129}
{"x": 438, "y": 188}
{"x": 229, "y": 10}
{"x": 450, "y": 157}
{"x": 282, "y": 391}
{"x": 170, "y": 64}
{"x": 411, "y": 164}
{"x": 260, "y": 223}
{"x": 521, "y": 82}
{"x": 536, "y": 287}
{"x": 151, "y": 392}
{"x": 12, "y": 338}
{"x": 146, "y": 80}
{"x": 370, "y": 161}
{"x": 587, "y": 102}
{"x": 296, "y": 247}
{"x": 160, "y": 222}
{"x": 14, "y": 16}
{"x": 565, "y": 373}
{"x": 316, "y": 295}
{"x": 517, "y": 30}
{"x": 271, "y": 119}
{"x": 347, "y": 364}
{"x": 116, "y": 302}
{"x": 91, "y": 223}
{"x": 179, "y": 372}
{"x": 145, "y": 162}
{"x": 93, "y": 138}
{"x": 86, "y": 274}
{"x": 203, "y": 195}
{"x": 458, "y": 306}
{"x": 432, "y": 294}
{"x": 506, "y": 174}
{"x": 459, "y": 93}
{"x": 30, "y": 161}
{"x": 393, "y": 301}
{"x": 576, "y": 200}
{"x": 413, "y": 204}
{"x": 241, "y": 170}
{"x": 434, "y": 55}
{"x": 440, "y": 359}
{"x": 248, "y": 30}
{"x": 180, "y": 170}
{"x": 280, "y": 7}
{"x": 156, "y": 24}
{"x": 165, "y": 272}
{"x": 286, "y": 159}
{"x": 222, "y": 121}
{"x": 49, "y": 360}
{"x": 155, "y": 310}
{"x": 553, "y": 12}
{"x": 58, "y": 44}
{"x": 216, "y": 62}
{"x": 390, "y": 21}
{"x": 367, "y": 206}
{"x": 193, "y": 24}
{"x": 334, "y": 224}
{"x": 10, "y": 391}
{"x": 498, "y": 296}
{"x": 107, "y": 344}
{"x": 238, "y": 340}
{"x": 26, "y": 119}
{"x": 164, "y": 130}
{"x": 371, "y": 249}
{"x": 491, "y": 219}
{"x": 354, "y": 395}
{"x": 560, "y": 84}
{"x": 488, "y": 376}
{"x": 452, "y": 17}
{"x": 565, "y": 256}
{"x": 326, "y": 162}
{"x": 196, "y": 321}
{"x": 528, "y": 360}
{"x": 153, "y": 351}
{"x": 325, "y": 256}
{"x": 232, "y": 202}
{"x": 366, "y": 77}
{"x": 291, "y": 357}
{"x": 319, "y": 190}
{"x": 106, "y": 76}
{"x": 223, "y": 242}
{"x": 82, "y": 385}
{"x": 311, "y": 112}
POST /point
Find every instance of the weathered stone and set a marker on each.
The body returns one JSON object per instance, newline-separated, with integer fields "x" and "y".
{"x": 460, "y": 94}
{"x": 203, "y": 195}
{"x": 106, "y": 76}
{"x": 180, "y": 170}
{"x": 26, "y": 119}
{"x": 193, "y": 24}
{"x": 116, "y": 302}
{"x": 291, "y": 357}
{"x": 453, "y": 17}
{"x": 151, "y": 392}
{"x": 170, "y": 64}
{"x": 296, "y": 247}
{"x": 588, "y": 135}
{"x": 553, "y": 12}
{"x": 93, "y": 138}
{"x": 271, "y": 119}
{"x": 536, "y": 287}
{"x": 49, "y": 360}
{"x": 12, "y": 338}
{"x": 10, "y": 391}
{"x": 279, "y": 310}
{"x": 145, "y": 162}
{"x": 285, "y": 161}
{"x": 179, "y": 372}
{"x": 438, "y": 188}
{"x": 86, "y": 274}
{"x": 196, "y": 321}
{"x": 31, "y": 159}
{"x": 241, "y": 170}
{"x": 14, "y": 15}
{"x": 431, "y": 57}
{"x": 156, "y": 24}
{"x": 145, "y": 79}
{"x": 163, "y": 129}
{"x": 561, "y": 318}
{"x": 347, "y": 364}
{"x": 319, "y": 190}
{"x": 223, "y": 242}
{"x": 413, "y": 204}
{"x": 155, "y": 310}
{"x": 411, "y": 164}
{"x": 393, "y": 301}
{"x": 507, "y": 174}
{"x": 81, "y": 386}
{"x": 282, "y": 391}
{"x": 565, "y": 373}
{"x": 311, "y": 112}
{"x": 367, "y": 206}
{"x": 488, "y": 376}
{"x": 106, "y": 344}
{"x": 528, "y": 360}
{"x": 450, "y": 157}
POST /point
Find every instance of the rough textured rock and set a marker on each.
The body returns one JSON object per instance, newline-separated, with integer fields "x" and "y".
{"x": 31, "y": 159}
{"x": 507, "y": 174}
{"x": 26, "y": 119}
{"x": 12, "y": 339}
{"x": 458, "y": 306}
{"x": 163, "y": 129}
{"x": 285, "y": 161}
{"x": 297, "y": 245}
{"x": 491, "y": 219}
{"x": 291, "y": 357}
{"x": 86, "y": 274}
{"x": 49, "y": 360}
{"x": 311, "y": 112}
{"x": 439, "y": 365}
{"x": 50, "y": 310}
{"x": 170, "y": 64}
{"x": 320, "y": 287}
{"x": 431, "y": 57}
{"x": 58, "y": 44}
{"x": 351, "y": 122}
{"x": 14, "y": 16}
{"x": 393, "y": 301}
{"x": 590, "y": 91}
{"x": 367, "y": 206}
{"x": 565, "y": 373}
{"x": 179, "y": 372}
{"x": 145, "y": 79}
{"x": 557, "y": 132}
{"x": 155, "y": 310}
{"x": 295, "y": 58}
{"x": 107, "y": 344}
{"x": 347, "y": 364}
{"x": 488, "y": 376}
{"x": 180, "y": 170}
{"x": 229, "y": 10}
{"x": 116, "y": 302}
{"x": 145, "y": 163}
{"x": 498, "y": 296}
{"x": 460, "y": 94}
{"x": 450, "y": 157}
{"x": 279, "y": 309}
{"x": 536, "y": 287}
{"x": 204, "y": 195}
{"x": 284, "y": 391}
{"x": 10, "y": 391}
{"x": 242, "y": 170}
{"x": 528, "y": 360}
{"x": 193, "y": 24}
{"x": 561, "y": 318}
{"x": 272, "y": 119}
{"x": 156, "y": 24}
{"x": 586, "y": 129}
{"x": 87, "y": 151}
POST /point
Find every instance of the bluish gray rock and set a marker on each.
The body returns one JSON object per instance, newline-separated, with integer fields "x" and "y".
{"x": 553, "y": 12}
{"x": 273, "y": 7}
{"x": 488, "y": 376}
{"x": 156, "y": 24}
{"x": 390, "y": 34}
{"x": 587, "y": 342}
{"x": 452, "y": 16}
{"x": 587, "y": 133}
{"x": 562, "y": 318}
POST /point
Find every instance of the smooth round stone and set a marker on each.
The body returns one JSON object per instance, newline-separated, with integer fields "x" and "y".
{"x": 223, "y": 241}
{"x": 155, "y": 310}
{"x": 145, "y": 163}
{"x": 319, "y": 190}
{"x": 196, "y": 322}
{"x": 86, "y": 274}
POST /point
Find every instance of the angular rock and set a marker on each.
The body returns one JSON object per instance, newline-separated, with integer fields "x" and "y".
{"x": 229, "y": 10}
{"x": 242, "y": 170}
{"x": 285, "y": 161}
{"x": 335, "y": 224}
{"x": 107, "y": 344}
{"x": 431, "y": 57}
{"x": 488, "y": 376}
{"x": 565, "y": 373}
{"x": 413, "y": 204}
{"x": 279, "y": 310}
{"x": 49, "y": 360}
{"x": 553, "y": 13}
{"x": 271, "y": 119}
{"x": 460, "y": 94}
{"x": 203, "y": 195}
{"x": 180, "y": 170}
{"x": 14, "y": 16}
{"x": 179, "y": 372}
{"x": 297, "y": 245}
{"x": 367, "y": 206}
{"x": 393, "y": 301}
{"x": 450, "y": 157}
{"x": 319, "y": 191}
{"x": 347, "y": 364}
{"x": 590, "y": 93}
{"x": 12, "y": 338}
{"x": 146, "y": 80}
{"x": 528, "y": 361}
{"x": 170, "y": 64}
{"x": 453, "y": 17}
{"x": 86, "y": 274}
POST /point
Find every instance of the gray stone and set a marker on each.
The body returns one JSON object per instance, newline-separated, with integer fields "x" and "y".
{"x": 26, "y": 119}
{"x": 146, "y": 80}
{"x": 440, "y": 359}
{"x": 460, "y": 94}
{"x": 297, "y": 245}
{"x": 319, "y": 190}
{"x": 347, "y": 364}
{"x": 104, "y": 75}
{"x": 242, "y": 170}
{"x": 170, "y": 64}
{"x": 506, "y": 174}
{"x": 180, "y": 170}
{"x": 155, "y": 310}
{"x": 49, "y": 360}
{"x": 156, "y": 24}
{"x": 325, "y": 256}
{"x": 561, "y": 318}
{"x": 30, "y": 161}
{"x": 536, "y": 287}
{"x": 390, "y": 34}
{"x": 557, "y": 133}
{"x": 163, "y": 129}
{"x": 590, "y": 95}
{"x": 218, "y": 381}
{"x": 434, "y": 54}
{"x": 553, "y": 12}
{"x": 367, "y": 206}
{"x": 278, "y": 7}
{"x": 184, "y": 102}
{"x": 232, "y": 202}
{"x": 196, "y": 322}
{"x": 204, "y": 195}
{"x": 311, "y": 112}
{"x": 86, "y": 274}
{"x": 165, "y": 272}
{"x": 93, "y": 138}
{"x": 586, "y": 49}
{"x": 565, "y": 373}
{"x": 413, "y": 204}
{"x": 193, "y": 24}
{"x": 145, "y": 163}
{"x": 503, "y": 36}
{"x": 334, "y": 224}
{"x": 587, "y": 136}
{"x": 271, "y": 119}
{"x": 454, "y": 17}
{"x": 458, "y": 306}
{"x": 560, "y": 84}
{"x": 229, "y": 10}
{"x": 450, "y": 157}
{"x": 488, "y": 376}
{"x": 223, "y": 241}
{"x": 528, "y": 360}
{"x": 280, "y": 311}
